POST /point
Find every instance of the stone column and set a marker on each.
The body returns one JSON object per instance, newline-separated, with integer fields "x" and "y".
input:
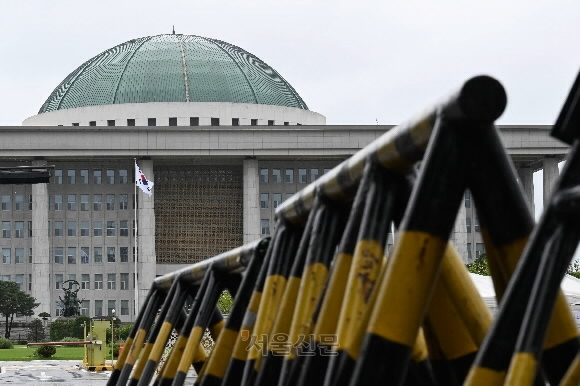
{"x": 551, "y": 174}
{"x": 526, "y": 180}
{"x": 251, "y": 201}
{"x": 146, "y": 265}
{"x": 41, "y": 289}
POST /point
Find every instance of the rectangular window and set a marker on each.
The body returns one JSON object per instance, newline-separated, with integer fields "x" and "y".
{"x": 468, "y": 224}
{"x": 97, "y": 228}
{"x": 58, "y": 176}
{"x": 123, "y": 176}
{"x": 124, "y": 307}
{"x": 98, "y": 254}
{"x": 19, "y": 229}
{"x": 110, "y": 122}
{"x": 110, "y": 254}
{"x": 58, "y": 279}
{"x": 215, "y": 121}
{"x": 111, "y": 281}
{"x": 124, "y": 281}
{"x": 84, "y": 176}
{"x": 111, "y": 228}
{"x": 71, "y": 228}
{"x": 6, "y": 202}
{"x": 173, "y": 121}
{"x": 5, "y": 278}
{"x": 194, "y": 121}
{"x": 130, "y": 122}
{"x": 99, "y": 306}
{"x": 85, "y": 228}
{"x": 29, "y": 228}
{"x": 30, "y": 202}
{"x": 75, "y": 124}
{"x": 85, "y": 281}
{"x": 85, "y": 255}
{"x": 302, "y": 176}
{"x": 58, "y": 255}
{"x": 97, "y": 201}
{"x": 72, "y": 276}
{"x": 124, "y": 252}
{"x": 59, "y": 311}
{"x": 110, "y": 176}
{"x": 264, "y": 176}
{"x": 235, "y": 121}
{"x": 30, "y": 255}
{"x": 19, "y": 202}
{"x": 264, "y": 200}
{"x": 58, "y": 202}
{"x": 467, "y": 199}
{"x": 476, "y": 224}
{"x": 59, "y": 228}
{"x": 289, "y": 176}
{"x": 479, "y": 249}
{"x": 71, "y": 255}
{"x": 314, "y": 173}
{"x": 6, "y": 256}
{"x": 286, "y": 123}
{"x": 84, "y": 202}
{"x": 19, "y": 279}
{"x": 110, "y": 202}
{"x": 124, "y": 228}
{"x": 123, "y": 201}
{"x": 265, "y": 227}
{"x": 98, "y": 281}
{"x": 276, "y": 176}
{"x": 85, "y": 306}
{"x": 19, "y": 255}
{"x": 469, "y": 255}
{"x": 151, "y": 122}
{"x": 71, "y": 202}
{"x": 6, "y": 227}
{"x": 30, "y": 282}
{"x": 97, "y": 176}
{"x": 276, "y": 200}
{"x": 254, "y": 122}
{"x": 71, "y": 176}
{"x": 111, "y": 306}
{"x": 270, "y": 122}
{"x": 92, "y": 123}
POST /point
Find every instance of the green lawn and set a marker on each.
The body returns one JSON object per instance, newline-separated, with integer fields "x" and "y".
{"x": 23, "y": 353}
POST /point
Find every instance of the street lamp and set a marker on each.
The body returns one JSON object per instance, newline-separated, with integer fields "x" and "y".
{"x": 112, "y": 336}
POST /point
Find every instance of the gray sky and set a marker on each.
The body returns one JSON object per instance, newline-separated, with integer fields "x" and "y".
{"x": 355, "y": 62}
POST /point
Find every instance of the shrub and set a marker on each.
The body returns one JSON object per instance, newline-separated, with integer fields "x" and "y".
{"x": 5, "y": 343}
{"x": 61, "y": 328}
{"x": 70, "y": 339}
{"x": 36, "y": 331}
{"x": 225, "y": 302}
{"x": 45, "y": 351}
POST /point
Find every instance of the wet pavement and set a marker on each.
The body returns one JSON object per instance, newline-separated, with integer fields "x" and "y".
{"x": 61, "y": 373}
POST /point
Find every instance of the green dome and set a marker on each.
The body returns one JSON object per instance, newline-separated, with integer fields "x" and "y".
{"x": 173, "y": 68}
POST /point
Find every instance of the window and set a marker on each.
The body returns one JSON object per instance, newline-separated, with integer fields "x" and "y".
{"x": 30, "y": 255}
{"x": 75, "y": 124}
{"x": 6, "y": 229}
{"x": 84, "y": 176}
{"x": 110, "y": 176}
{"x": 71, "y": 202}
{"x": 58, "y": 255}
{"x": 264, "y": 226}
{"x": 19, "y": 255}
{"x": 58, "y": 202}
{"x": 98, "y": 281}
{"x": 71, "y": 255}
{"x": 97, "y": 201}
{"x": 479, "y": 249}
{"x": 289, "y": 176}
{"x": 84, "y": 226}
{"x": 270, "y": 122}
{"x": 254, "y": 122}
{"x": 6, "y": 202}
{"x": 476, "y": 224}
{"x": 110, "y": 254}
{"x": 130, "y": 122}
{"x": 30, "y": 202}
{"x": 98, "y": 254}
{"x": 30, "y": 282}
{"x": 264, "y": 176}
{"x": 97, "y": 228}
{"x": 59, "y": 228}
{"x": 469, "y": 255}
{"x": 30, "y": 229}
{"x": 99, "y": 307}
{"x": 59, "y": 311}
{"x": 85, "y": 281}
{"x": 314, "y": 175}
{"x": 85, "y": 306}
{"x": 123, "y": 176}
{"x": 215, "y": 121}
{"x": 467, "y": 199}
{"x": 6, "y": 256}
{"x": 72, "y": 276}
{"x": 19, "y": 229}
{"x": 97, "y": 176}
{"x": 110, "y": 306}
{"x": 124, "y": 252}
{"x": 173, "y": 121}
{"x": 111, "y": 281}
{"x": 58, "y": 279}
{"x": 110, "y": 122}
{"x": 286, "y": 123}
{"x": 123, "y": 201}
{"x": 276, "y": 176}
{"x": 85, "y": 258}
{"x": 151, "y": 122}
{"x": 58, "y": 176}
{"x": 468, "y": 224}
{"x": 19, "y": 202}
{"x": 84, "y": 202}
{"x": 301, "y": 176}
{"x": 111, "y": 228}
{"x": 71, "y": 176}
{"x": 5, "y": 278}
{"x": 124, "y": 307}
{"x": 276, "y": 200}
{"x": 124, "y": 280}
{"x": 264, "y": 200}
{"x": 19, "y": 279}
{"x": 110, "y": 202}
{"x": 92, "y": 123}
{"x": 124, "y": 228}
{"x": 235, "y": 121}
{"x": 194, "y": 121}
{"x": 71, "y": 228}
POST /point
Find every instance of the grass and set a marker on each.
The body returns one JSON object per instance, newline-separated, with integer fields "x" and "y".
{"x": 23, "y": 353}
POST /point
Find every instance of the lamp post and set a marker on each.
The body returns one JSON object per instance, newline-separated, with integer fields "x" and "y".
{"x": 112, "y": 336}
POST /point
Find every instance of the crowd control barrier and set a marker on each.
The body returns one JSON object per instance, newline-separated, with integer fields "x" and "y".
{"x": 323, "y": 302}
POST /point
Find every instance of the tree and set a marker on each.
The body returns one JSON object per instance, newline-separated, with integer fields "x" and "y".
{"x": 479, "y": 266}
{"x": 574, "y": 269}
{"x": 14, "y": 301}
{"x": 36, "y": 331}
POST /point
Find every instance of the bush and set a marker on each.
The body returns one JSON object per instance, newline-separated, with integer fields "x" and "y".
{"x": 45, "y": 351}
{"x": 62, "y": 328}
{"x": 225, "y": 302}
{"x": 123, "y": 332}
{"x": 71, "y": 339}
{"x": 5, "y": 343}
{"x": 36, "y": 331}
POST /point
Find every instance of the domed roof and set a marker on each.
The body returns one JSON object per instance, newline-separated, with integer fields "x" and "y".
{"x": 173, "y": 68}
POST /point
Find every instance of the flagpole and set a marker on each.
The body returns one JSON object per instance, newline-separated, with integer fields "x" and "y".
{"x": 135, "y": 278}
